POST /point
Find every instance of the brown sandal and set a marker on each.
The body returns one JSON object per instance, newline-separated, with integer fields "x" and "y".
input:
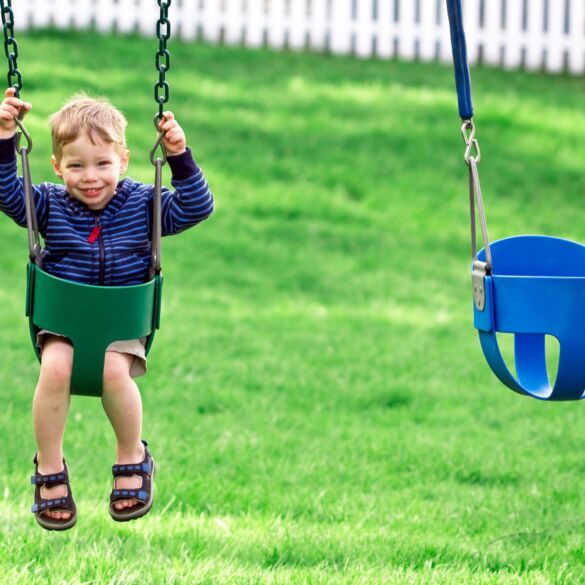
{"x": 64, "y": 504}
{"x": 144, "y": 494}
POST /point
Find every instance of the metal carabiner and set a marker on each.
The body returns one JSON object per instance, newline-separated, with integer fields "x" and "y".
{"x": 470, "y": 141}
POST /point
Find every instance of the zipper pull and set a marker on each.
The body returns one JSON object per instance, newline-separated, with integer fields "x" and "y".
{"x": 95, "y": 234}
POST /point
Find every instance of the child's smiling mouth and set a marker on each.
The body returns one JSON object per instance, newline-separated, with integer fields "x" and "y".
{"x": 93, "y": 192}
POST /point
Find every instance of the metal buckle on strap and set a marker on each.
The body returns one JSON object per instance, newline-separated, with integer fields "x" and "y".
{"x": 478, "y": 275}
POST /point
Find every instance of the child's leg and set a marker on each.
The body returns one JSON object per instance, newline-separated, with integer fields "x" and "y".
{"x": 50, "y": 408}
{"x": 123, "y": 405}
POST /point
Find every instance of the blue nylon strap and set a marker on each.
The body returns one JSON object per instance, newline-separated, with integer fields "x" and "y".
{"x": 48, "y": 504}
{"x": 459, "y": 47}
{"x": 43, "y": 479}
{"x": 141, "y": 495}
{"x": 131, "y": 468}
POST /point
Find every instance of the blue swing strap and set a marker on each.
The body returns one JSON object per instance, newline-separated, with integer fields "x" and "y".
{"x": 459, "y": 48}
{"x": 472, "y": 154}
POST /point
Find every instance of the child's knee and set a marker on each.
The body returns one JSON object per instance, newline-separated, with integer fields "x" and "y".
{"x": 116, "y": 370}
{"x": 56, "y": 365}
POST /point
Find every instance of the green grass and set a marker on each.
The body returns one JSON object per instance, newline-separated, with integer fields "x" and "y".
{"x": 317, "y": 401}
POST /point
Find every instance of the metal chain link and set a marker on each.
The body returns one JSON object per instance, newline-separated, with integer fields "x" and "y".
{"x": 10, "y": 46}
{"x": 163, "y": 57}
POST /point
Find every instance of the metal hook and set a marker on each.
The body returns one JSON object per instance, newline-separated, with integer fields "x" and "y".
{"x": 23, "y": 132}
{"x": 159, "y": 142}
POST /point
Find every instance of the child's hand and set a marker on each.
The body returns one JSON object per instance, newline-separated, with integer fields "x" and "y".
{"x": 10, "y": 108}
{"x": 174, "y": 140}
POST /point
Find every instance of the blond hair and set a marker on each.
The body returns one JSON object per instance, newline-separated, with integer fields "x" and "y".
{"x": 96, "y": 118}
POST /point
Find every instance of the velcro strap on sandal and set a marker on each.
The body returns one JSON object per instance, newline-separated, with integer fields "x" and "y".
{"x": 141, "y": 495}
{"x": 48, "y": 504}
{"x": 45, "y": 479}
{"x": 131, "y": 468}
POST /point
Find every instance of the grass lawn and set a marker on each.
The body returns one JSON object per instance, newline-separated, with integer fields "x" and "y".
{"x": 317, "y": 400}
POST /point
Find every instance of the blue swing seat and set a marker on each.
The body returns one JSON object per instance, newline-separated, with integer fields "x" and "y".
{"x": 536, "y": 288}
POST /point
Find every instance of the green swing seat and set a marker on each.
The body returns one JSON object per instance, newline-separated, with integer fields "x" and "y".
{"x": 92, "y": 317}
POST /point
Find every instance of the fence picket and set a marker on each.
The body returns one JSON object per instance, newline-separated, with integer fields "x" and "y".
{"x": 427, "y": 30}
{"x": 362, "y": 22}
{"x": 41, "y": 13}
{"x": 515, "y": 35}
{"x": 318, "y": 25}
{"x": 341, "y": 30}
{"x": 406, "y": 45}
{"x": 253, "y": 23}
{"x": 555, "y": 47}
{"x": 234, "y": 22}
{"x": 576, "y": 40}
{"x": 384, "y": 30}
{"x": 23, "y": 15}
{"x": 63, "y": 14}
{"x": 491, "y": 39}
{"x": 185, "y": 18}
{"x": 535, "y": 35}
{"x": 472, "y": 30}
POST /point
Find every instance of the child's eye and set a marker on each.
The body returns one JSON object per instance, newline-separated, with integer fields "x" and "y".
{"x": 103, "y": 163}
{"x": 74, "y": 166}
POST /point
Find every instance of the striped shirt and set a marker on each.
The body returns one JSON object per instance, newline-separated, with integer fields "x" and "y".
{"x": 119, "y": 252}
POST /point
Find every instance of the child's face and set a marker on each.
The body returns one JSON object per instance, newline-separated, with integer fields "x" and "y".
{"x": 91, "y": 171}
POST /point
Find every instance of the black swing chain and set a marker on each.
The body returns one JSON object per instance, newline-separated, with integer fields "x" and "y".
{"x": 163, "y": 57}
{"x": 10, "y": 46}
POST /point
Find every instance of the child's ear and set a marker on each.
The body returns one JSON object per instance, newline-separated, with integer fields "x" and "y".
{"x": 56, "y": 167}
{"x": 124, "y": 160}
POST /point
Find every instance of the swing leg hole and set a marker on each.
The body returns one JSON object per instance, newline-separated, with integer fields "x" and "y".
{"x": 553, "y": 350}
{"x": 506, "y": 344}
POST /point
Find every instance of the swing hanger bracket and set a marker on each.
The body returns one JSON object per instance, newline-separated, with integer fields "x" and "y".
{"x": 471, "y": 143}
{"x": 478, "y": 274}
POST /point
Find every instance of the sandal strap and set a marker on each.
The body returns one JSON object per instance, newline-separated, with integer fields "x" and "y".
{"x": 132, "y": 468}
{"x": 44, "y": 505}
{"x": 56, "y": 478}
{"x": 141, "y": 495}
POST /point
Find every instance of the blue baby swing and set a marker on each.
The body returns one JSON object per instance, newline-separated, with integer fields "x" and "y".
{"x": 60, "y": 305}
{"x": 529, "y": 285}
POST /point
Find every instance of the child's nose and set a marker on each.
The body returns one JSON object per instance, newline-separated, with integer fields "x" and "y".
{"x": 90, "y": 174}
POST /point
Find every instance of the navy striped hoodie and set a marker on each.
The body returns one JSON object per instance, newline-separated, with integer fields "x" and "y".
{"x": 120, "y": 254}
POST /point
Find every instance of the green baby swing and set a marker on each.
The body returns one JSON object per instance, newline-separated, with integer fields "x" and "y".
{"x": 60, "y": 305}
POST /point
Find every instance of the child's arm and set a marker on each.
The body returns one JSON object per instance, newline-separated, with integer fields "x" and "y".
{"x": 11, "y": 186}
{"x": 192, "y": 201}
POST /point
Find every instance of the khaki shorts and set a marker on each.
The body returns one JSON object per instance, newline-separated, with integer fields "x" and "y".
{"x": 134, "y": 347}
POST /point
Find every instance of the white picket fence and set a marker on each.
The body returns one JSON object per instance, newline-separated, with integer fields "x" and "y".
{"x": 533, "y": 34}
